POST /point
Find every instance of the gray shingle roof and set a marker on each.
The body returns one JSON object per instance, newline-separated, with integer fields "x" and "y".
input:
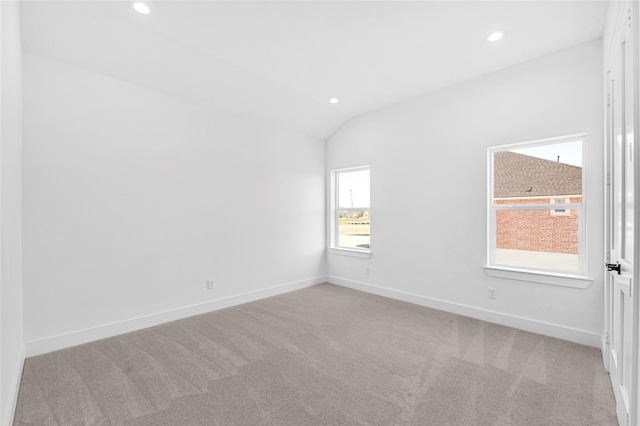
{"x": 518, "y": 175}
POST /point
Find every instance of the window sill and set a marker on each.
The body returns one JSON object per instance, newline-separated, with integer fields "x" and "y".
{"x": 362, "y": 254}
{"x": 559, "y": 279}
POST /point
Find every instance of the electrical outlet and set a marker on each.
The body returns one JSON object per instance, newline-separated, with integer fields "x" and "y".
{"x": 367, "y": 270}
{"x": 211, "y": 284}
{"x": 492, "y": 293}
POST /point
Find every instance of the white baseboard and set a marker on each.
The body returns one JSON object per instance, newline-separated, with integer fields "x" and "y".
{"x": 54, "y": 343}
{"x": 553, "y": 330}
{"x": 7, "y": 417}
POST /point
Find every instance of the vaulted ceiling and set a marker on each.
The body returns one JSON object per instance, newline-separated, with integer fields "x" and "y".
{"x": 280, "y": 62}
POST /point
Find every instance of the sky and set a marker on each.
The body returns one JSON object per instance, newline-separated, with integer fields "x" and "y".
{"x": 354, "y": 185}
{"x": 569, "y": 152}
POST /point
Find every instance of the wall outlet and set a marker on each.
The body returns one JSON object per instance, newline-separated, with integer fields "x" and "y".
{"x": 211, "y": 284}
{"x": 367, "y": 270}
{"x": 492, "y": 293}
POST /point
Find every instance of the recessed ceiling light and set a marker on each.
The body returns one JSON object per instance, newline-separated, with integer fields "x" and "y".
{"x": 496, "y": 36}
{"x": 141, "y": 7}
{"x": 333, "y": 100}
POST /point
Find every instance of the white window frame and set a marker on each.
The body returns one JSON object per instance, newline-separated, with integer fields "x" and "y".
{"x": 576, "y": 279}
{"x": 335, "y": 210}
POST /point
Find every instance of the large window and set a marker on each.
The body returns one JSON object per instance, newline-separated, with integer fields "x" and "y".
{"x": 351, "y": 220}
{"x": 536, "y": 206}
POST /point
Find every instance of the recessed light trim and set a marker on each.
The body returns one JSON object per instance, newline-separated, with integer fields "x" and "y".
{"x": 140, "y": 7}
{"x": 333, "y": 100}
{"x": 495, "y": 36}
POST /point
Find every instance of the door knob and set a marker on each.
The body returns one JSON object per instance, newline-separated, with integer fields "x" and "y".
{"x": 613, "y": 267}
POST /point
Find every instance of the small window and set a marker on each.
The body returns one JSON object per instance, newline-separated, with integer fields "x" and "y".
{"x": 351, "y": 218}
{"x": 524, "y": 179}
{"x": 559, "y": 212}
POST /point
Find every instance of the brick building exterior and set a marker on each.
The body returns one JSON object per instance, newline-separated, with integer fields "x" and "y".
{"x": 522, "y": 179}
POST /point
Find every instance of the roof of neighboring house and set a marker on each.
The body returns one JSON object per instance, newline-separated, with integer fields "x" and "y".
{"x": 518, "y": 175}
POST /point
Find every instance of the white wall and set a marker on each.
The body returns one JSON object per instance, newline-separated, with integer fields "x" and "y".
{"x": 11, "y": 344}
{"x": 428, "y": 177}
{"x": 133, "y": 199}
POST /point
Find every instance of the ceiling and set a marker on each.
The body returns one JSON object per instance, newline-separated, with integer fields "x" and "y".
{"x": 279, "y": 63}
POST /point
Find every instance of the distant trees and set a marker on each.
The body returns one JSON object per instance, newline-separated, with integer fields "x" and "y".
{"x": 354, "y": 215}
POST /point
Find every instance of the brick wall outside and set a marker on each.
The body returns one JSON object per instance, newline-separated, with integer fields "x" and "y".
{"x": 536, "y": 230}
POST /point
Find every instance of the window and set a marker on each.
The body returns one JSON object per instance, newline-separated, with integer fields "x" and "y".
{"x": 351, "y": 213}
{"x": 524, "y": 234}
{"x": 560, "y": 212}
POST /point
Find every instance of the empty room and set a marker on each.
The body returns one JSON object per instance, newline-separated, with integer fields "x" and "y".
{"x": 319, "y": 213}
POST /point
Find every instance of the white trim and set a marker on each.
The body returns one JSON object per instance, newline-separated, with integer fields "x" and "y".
{"x": 341, "y": 251}
{"x": 334, "y": 210}
{"x": 351, "y": 169}
{"x": 533, "y": 197}
{"x": 553, "y": 330}
{"x": 581, "y": 207}
{"x": 61, "y": 341}
{"x": 14, "y": 389}
{"x": 539, "y": 142}
{"x": 607, "y": 191}
{"x": 542, "y": 277}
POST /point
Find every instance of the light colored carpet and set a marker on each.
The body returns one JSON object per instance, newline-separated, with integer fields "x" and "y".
{"x": 325, "y": 355}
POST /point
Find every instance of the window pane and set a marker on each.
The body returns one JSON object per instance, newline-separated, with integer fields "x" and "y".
{"x": 537, "y": 239}
{"x": 353, "y": 229}
{"x": 550, "y": 170}
{"x": 353, "y": 189}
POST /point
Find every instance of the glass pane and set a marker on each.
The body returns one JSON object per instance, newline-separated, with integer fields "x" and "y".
{"x": 537, "y": 239}
{"x": 353, "y": 230}
{"x": 551, "y": 170}
{"x": 353, "y": 189}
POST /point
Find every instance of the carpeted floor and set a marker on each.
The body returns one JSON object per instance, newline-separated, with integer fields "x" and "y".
{"x": 325, "y": 355}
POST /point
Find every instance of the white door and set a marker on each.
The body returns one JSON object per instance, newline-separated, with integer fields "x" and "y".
{"x": 621, "y": 175}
